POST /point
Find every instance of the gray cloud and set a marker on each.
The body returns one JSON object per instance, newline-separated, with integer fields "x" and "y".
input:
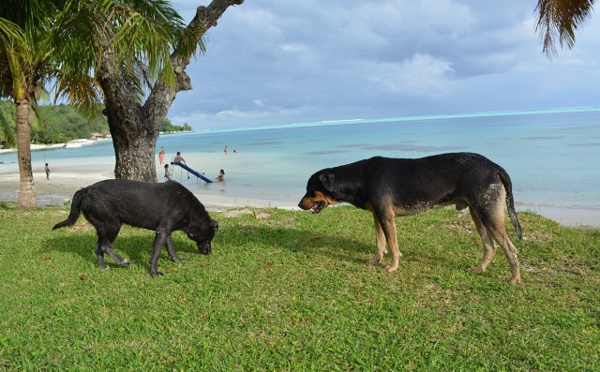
{"x": 281, "y": 61}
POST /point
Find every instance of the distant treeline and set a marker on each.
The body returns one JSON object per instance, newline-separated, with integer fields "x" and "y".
{"x": 62, "y": 123}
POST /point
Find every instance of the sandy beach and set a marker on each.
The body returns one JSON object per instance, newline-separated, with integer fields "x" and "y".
{"x": 62, "y": 185}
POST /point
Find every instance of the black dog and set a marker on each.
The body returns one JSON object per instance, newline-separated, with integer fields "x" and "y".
{"x": 400, "y": 187}
{"x": 163, "y": 207}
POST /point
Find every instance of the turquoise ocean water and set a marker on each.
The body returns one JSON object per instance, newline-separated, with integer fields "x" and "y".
{"x": 552, "y": 156}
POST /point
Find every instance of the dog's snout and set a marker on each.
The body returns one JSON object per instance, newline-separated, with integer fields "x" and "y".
{"x": 305, "y": 204}
{"x": 205, "y": 248}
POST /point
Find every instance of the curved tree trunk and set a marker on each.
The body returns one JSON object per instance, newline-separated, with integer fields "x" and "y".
{"x": 134, "y": 137}
{"x": 27, "y": 193}
{"x": 135, "y": 128}
{"x": 134, "y": 152}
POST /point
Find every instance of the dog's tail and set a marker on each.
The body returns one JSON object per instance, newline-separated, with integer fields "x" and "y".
{"x": 75, "y": 210}
{"x": 510, "y": 202}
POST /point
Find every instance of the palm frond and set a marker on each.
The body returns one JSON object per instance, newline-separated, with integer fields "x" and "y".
{"x": 82, "y": 90}
{"x": 35, "y": 120}
{"x": 7, "y": 131}
{"x": 148, "y": 34}
{"x": 558, "y": 20}
{"x": 16, "y": 52}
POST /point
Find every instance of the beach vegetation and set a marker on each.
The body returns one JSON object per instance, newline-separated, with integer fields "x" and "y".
{"x": 290, "y": 291}
{"x": 43, "y": 41}
{"x": 62, "y": 123}
{"x": 169, "y": 127}
{"x": 558, "y": 20}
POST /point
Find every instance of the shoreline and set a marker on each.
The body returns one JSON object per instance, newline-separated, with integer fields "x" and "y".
{"x": 60, "y": 188}
{"x": 35, "y": 148}
{"x": 81, "y": 141}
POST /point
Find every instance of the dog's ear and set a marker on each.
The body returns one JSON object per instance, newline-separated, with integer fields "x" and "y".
{"x": 214, "y": 225}
{"x": 327, "y": 178}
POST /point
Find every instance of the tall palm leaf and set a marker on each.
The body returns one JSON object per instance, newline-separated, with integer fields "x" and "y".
{"x": 7, "y": 133}
{"x": 558, "y": 20}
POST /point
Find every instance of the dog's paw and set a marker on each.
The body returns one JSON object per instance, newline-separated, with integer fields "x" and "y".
{"x": 125, "y": 263}
{"x": 516, "y": 280}
{"x": 476, "y": 270}
{"x": 156, "y": 273}
{"x": 391, "y": 269}
{"x": 375, "y": 261}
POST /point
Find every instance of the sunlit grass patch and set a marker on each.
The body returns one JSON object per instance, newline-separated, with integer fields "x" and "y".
{"x": 293, "y": 291}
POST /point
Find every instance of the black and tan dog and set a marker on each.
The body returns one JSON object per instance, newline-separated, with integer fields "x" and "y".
{"x": 400, "y": 187}
{"x": 162, "y": 207}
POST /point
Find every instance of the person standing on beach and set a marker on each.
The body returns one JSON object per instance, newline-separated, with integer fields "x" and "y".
{"x": 167, "y": 175}
{"x": 225, "y": 150}
{"x": 47, "y": 169}
{"x": 179, "y": 158}
{"x": 161, "y": 155}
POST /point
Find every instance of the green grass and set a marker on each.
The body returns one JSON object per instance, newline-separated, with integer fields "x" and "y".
{"x": 292, "y": 291}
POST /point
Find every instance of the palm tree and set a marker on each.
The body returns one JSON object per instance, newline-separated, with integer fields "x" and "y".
{"x": 18, "y": 66}
{"x": 558, "y": 20}
{"x": 35, "y": 38}
{"x": 62, "y": 40}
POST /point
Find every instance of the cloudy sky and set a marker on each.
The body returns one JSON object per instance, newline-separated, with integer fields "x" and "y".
{"x": 271, "y": 62}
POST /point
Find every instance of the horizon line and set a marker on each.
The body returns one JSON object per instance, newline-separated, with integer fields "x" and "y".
{"x": 402, "y": 118}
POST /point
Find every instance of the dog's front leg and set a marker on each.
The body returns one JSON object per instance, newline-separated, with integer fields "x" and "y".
{"x": 159, "y": 241}
{"x": 380, "y": 241}
{"x": 388, "y": 225}
{"x": 171, "y": 250}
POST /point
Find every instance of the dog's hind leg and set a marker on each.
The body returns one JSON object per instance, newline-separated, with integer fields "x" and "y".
{"x": 387, "y": 220}
{"x": 489, "y": 247}
{"x": 162, "y": 238}
{"x": 380, "y": 241}
{"x": 493, "y": 224}
{"x": 499, "y": 233}
{"x": 107, "y": 233}
{"x": 100, "y": 254}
